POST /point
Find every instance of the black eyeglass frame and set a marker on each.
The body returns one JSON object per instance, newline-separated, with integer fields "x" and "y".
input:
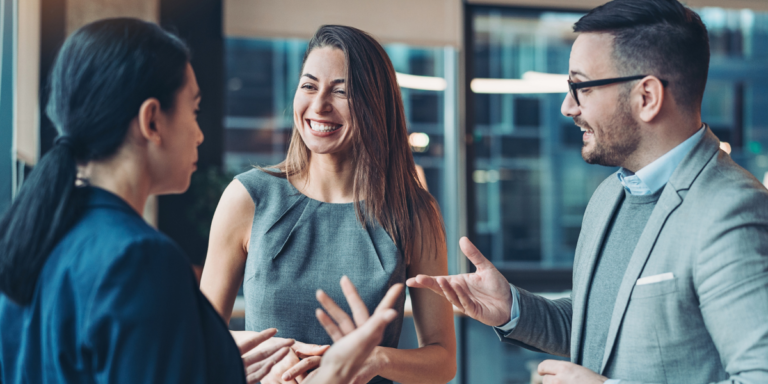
{"x": 596, "y": 83}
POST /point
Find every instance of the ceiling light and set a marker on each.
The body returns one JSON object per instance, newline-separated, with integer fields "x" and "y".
{"x": 419, "y": 141}
{"x": 426, "y": 83}
{"x": 532, "y": 82}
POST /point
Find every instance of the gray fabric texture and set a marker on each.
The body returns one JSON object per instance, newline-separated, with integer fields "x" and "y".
{"x": 707, "y": 324}
{"x": 299, "y": 245}
{"x": 625, "y": 230}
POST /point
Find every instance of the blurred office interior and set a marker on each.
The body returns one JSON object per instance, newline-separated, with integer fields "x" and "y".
{"x": 482, "y": 83}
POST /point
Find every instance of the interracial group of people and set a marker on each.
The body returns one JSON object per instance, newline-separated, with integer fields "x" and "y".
{"x": 670, "y": 277}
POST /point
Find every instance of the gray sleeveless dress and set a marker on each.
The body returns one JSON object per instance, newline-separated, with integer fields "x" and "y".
{"x": 298, "y": 245}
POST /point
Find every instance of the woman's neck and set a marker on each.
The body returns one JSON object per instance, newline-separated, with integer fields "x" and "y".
{"x": 330, "y": 178}
{"x": 122, "y": 174}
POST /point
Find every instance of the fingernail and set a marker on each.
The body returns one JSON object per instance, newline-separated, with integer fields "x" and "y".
{"x": 390, "y": 314}
{"x": 286, "y": 377}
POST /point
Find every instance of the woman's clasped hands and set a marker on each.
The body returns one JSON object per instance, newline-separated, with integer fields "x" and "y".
{"x": 351, "y": 359}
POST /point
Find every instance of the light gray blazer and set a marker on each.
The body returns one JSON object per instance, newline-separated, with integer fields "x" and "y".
{"x": 707, "y": 324}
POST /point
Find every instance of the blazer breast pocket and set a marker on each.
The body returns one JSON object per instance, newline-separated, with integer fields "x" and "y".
{"x": 660, "y": 288}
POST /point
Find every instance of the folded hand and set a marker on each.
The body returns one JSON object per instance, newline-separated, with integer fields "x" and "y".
{"x": 260, "y": 352}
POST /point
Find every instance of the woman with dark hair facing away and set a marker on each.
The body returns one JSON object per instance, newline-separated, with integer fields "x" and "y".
{"x": 90, "y": 292}
{"x": 346, "y": 201}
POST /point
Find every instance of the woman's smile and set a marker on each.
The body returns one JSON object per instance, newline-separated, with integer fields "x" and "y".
{"x": 322, "y": 128}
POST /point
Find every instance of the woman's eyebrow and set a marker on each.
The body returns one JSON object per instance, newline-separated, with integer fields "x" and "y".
{"x": 337, "y": 81}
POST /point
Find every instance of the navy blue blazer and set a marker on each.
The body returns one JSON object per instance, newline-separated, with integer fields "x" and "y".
{"x": 116, "y": 302}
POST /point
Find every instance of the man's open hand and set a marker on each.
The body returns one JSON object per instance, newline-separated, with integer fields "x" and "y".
{"x": 484, "y": 295}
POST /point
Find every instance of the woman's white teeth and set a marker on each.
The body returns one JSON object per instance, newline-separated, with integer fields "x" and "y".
{"x": 320, "y": 127}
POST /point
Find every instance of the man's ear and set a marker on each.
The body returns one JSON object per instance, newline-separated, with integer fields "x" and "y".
{"x": 149, "y": 119}
{"x": 652, "y": 95}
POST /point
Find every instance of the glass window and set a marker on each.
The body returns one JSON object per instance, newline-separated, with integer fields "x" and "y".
{"x": 8, "y": 179}
{"x": 531, "y": 185}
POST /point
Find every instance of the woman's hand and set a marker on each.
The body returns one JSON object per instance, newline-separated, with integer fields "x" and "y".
{"x": 370, "y": 368}
{"x": 275, "y": 376}
{"x": 352, "y": 357}
{"x": 310, "y": 355}
{"x": 260, "y": 352}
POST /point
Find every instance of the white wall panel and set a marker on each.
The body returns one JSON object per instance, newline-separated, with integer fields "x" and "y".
{"x": 415, "y": 22}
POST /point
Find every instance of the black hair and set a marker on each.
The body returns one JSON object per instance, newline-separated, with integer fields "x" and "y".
{"x": 656, "y": 37}
{"x": 101, "y": 77}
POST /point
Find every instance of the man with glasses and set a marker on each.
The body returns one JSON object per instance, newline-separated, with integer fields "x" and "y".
{"x": 670, "y": 277}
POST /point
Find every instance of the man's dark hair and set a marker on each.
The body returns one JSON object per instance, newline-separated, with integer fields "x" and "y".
{"x": 656, "y": 37}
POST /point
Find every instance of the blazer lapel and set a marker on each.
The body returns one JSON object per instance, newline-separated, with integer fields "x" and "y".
{"x": 670, "y": 199}
{"x": 606, "y": 203}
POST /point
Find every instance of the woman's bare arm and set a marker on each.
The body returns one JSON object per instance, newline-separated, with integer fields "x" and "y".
{"x": 435, "y": 359}
{"x": 228, "y": 248}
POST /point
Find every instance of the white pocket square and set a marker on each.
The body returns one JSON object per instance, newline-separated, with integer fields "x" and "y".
{"x": 655, "y": 278}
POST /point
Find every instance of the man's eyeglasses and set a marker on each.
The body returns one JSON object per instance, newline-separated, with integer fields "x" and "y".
{"x": 595, "y": 83}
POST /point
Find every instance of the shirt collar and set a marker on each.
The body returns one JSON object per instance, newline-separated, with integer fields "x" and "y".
{"x": 98, "y": 197}
{"x": 655, "y": 175}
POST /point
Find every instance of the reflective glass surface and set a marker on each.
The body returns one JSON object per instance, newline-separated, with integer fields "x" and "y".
{"x": 530, "y": 182}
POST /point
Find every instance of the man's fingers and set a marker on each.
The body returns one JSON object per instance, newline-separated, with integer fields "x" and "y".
{"x": 474, "y": 255}
{"x": 251, "y": 342}
{"x": 330, "y": 327}
{"x": 423, "y": 281}
{"x": 356, "y": 304}
{"x": 463, "y": 295}
{"x": 301, "y": 367}
{"x": 390, "y": 298}
{"x": 335, "y": 312}
{"x": 259, "y": 354}
{"x": 449, "y": 293}
{"x": 550, "y": 367}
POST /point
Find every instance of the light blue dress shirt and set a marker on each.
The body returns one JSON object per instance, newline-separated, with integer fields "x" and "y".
{"x": 646, "y": 181}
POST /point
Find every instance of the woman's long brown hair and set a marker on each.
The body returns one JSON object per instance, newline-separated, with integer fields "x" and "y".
{"x": 386, "y": 189}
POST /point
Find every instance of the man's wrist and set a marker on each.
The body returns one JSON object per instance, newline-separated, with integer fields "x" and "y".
{"x": 508, "y": 311}
{"x": 514, "y": 312}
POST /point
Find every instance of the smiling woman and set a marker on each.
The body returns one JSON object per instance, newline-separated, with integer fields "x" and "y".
{"x": 346, "y": 201}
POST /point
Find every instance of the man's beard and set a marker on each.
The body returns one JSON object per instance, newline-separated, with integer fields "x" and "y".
{"x": 619, "y": 138}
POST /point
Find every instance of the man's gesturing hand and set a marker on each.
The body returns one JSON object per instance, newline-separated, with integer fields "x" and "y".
{"x": 483, "y": 295}
{"x": 565, "y": 372}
